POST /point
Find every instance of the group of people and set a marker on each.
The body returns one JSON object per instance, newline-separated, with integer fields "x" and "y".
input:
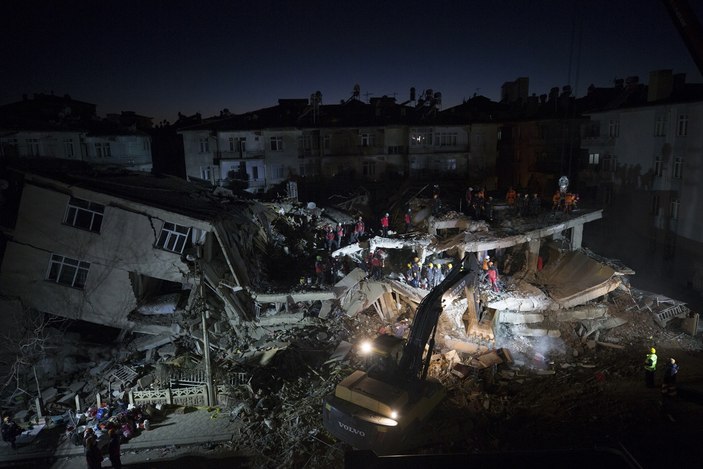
{"x": 93, "y": 453}
{"x": 523, "y": 204}
{"x": 670, "y": 371}
{"x": 478, "y": 204}
{"x": 425, "y": 276}
{"x": 564, "y": 201}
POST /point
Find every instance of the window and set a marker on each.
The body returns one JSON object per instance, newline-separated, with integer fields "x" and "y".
{"x": 67, "y": 271}
{"x": 237, "y": 144}
{"x": 593, "y": 159}
{"x": 279, "y": 172}
{"x": 614, "y": 128}
{"x": 449, "y": 165}
{"x": 655, "y": 205}
{"x": 396, "y": 150}
{"x": 102, "y": 150}
{"x": 420, "y": 137}
{"x": 658, "y": 166}
{"x": 68, "y": 147}
{"x": 206, "y": 173}
{"x": 231, "y": 144}
{"x": 84, "y": 214}
{"x": 593, "y": 129}
{"x": 204, "y": 145}
{"x": 369, "y": 168}
{"x": 674, "y": 209}
{"x": 610, "y": 163}
{"x": 682, "y": 128}
{"x": 255, "y": 173}
{"x": 276, "y": 143}
{"x": 367, "y": 140}
{"x": 32, "y": 147}
{"x": 445, "y": 139}
{"x": 173, "y": 237}
{"x": 304, "y": 145}
{"x": 660, "y": 126}
{"x": 678, "y": 168}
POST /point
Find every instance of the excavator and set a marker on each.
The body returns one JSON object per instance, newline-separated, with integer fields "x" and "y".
{"x": 378, "y": 409}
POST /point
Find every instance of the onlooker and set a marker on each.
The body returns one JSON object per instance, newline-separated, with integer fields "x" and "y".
{"x": 669, "y": 384}
{"x": 93, "y": 456}
{"x": 113, "y": 449}
{"x": 10, "y": 430}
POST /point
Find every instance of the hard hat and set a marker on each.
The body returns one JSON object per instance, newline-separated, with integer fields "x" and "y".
{"x": 652, "y": 350}
{"x": 417, "y": 259}
{"x": 387, "y": 214}
{"x": 449, "y": 266}
{"x": 488, "y": 257}
{"x": 410, "y": 210}
{"x": 409, "y": 264}
{"x": 429, "y": 265}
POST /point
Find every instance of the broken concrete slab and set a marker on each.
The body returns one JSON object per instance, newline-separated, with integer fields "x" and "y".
{"x": 349, "y": 281}
{"x": 583, "y": 312}
{"x": 341, "y": 352}
{"x": 535, "y": 332}
{"x": 295, "y": 297}
{"x": 325, "y": 310}
{"x": 510, "y": 317}
{"x": 146, "y": 342}
{"x": 464, "y": 347}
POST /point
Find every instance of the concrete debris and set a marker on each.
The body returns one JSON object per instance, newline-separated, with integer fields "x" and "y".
{"x": 510, "y": 317}
{"x": 583, "y": 312}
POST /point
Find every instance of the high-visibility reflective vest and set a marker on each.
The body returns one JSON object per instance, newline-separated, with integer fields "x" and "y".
{"x": 650, "y": 363}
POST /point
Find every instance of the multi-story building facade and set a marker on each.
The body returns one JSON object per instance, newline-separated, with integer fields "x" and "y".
{"x": 48, "y": 126}
{"x": 645, "y": 161}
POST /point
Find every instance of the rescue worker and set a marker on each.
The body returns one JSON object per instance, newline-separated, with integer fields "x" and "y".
{"x": 429, "y": 275}
{"x": 493, "y": 277}
{"x": 484, "y": 267}
{"x": 437, "y": 274}
{"x": 408, "y": 220}
{"x": 410, "y": 274}
{"x": 320, "y": 270}
{"x": 417, "y": 267}
{"x": 376, "y": 270}
{"x": 385, "y": 223}
{"x": 329, "y": 237}
{"x": 510, "y": 197}
{"x": 568, "y": 202}
{"x": 556, "y": 200}
{"x": 669, "y": 383}
{"x": 339, "y": 234}
{"x": 358, "y": 231}
{"x": 436, "y": 205}
{"x": 650, "y": 367}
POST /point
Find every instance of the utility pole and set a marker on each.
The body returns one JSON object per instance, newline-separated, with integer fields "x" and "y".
{"x": 206, "y": 339}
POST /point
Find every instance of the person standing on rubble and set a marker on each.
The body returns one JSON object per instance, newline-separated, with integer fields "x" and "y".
{"x": 429, "y": 275}
{"x": 408, "y": 220}
{"x": 385, "y": 223}
{"x": 650, "y": 367}
{"x": 669, "y": 383}
{"x": 437, "y": 274}
{"x": 376, "y": 267}
{"x": 358, "y": 231}
{"x": 339, "y": 235}
{"x": 493, "y": 277}
{"x": 329, "y": 237}
{"x": 320, "y": 270}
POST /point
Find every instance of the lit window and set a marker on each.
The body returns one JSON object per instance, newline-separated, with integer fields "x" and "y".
{"x": 173, "y": 237}
{"x": 67, "y": 271}
{"x": 450, "y": 165}
{"x": 678, "y": 168}
{"x": 276, "y": 143}
{"x": 682, "y": 128}
{"x": 420, "y": 137}
{"x": 84, "y": 214}
{"x": 594, "y": 158}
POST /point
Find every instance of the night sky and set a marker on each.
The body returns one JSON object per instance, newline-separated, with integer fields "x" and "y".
{"x": 161, "y": 57}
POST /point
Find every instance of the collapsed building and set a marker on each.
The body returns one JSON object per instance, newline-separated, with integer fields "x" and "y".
{"x": 185, "y": 270}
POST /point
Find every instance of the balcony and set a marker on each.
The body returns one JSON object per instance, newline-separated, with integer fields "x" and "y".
{"x": 237, "y": 155}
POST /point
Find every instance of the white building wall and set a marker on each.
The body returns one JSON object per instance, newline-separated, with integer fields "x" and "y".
{"x": 126, "y": 243}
